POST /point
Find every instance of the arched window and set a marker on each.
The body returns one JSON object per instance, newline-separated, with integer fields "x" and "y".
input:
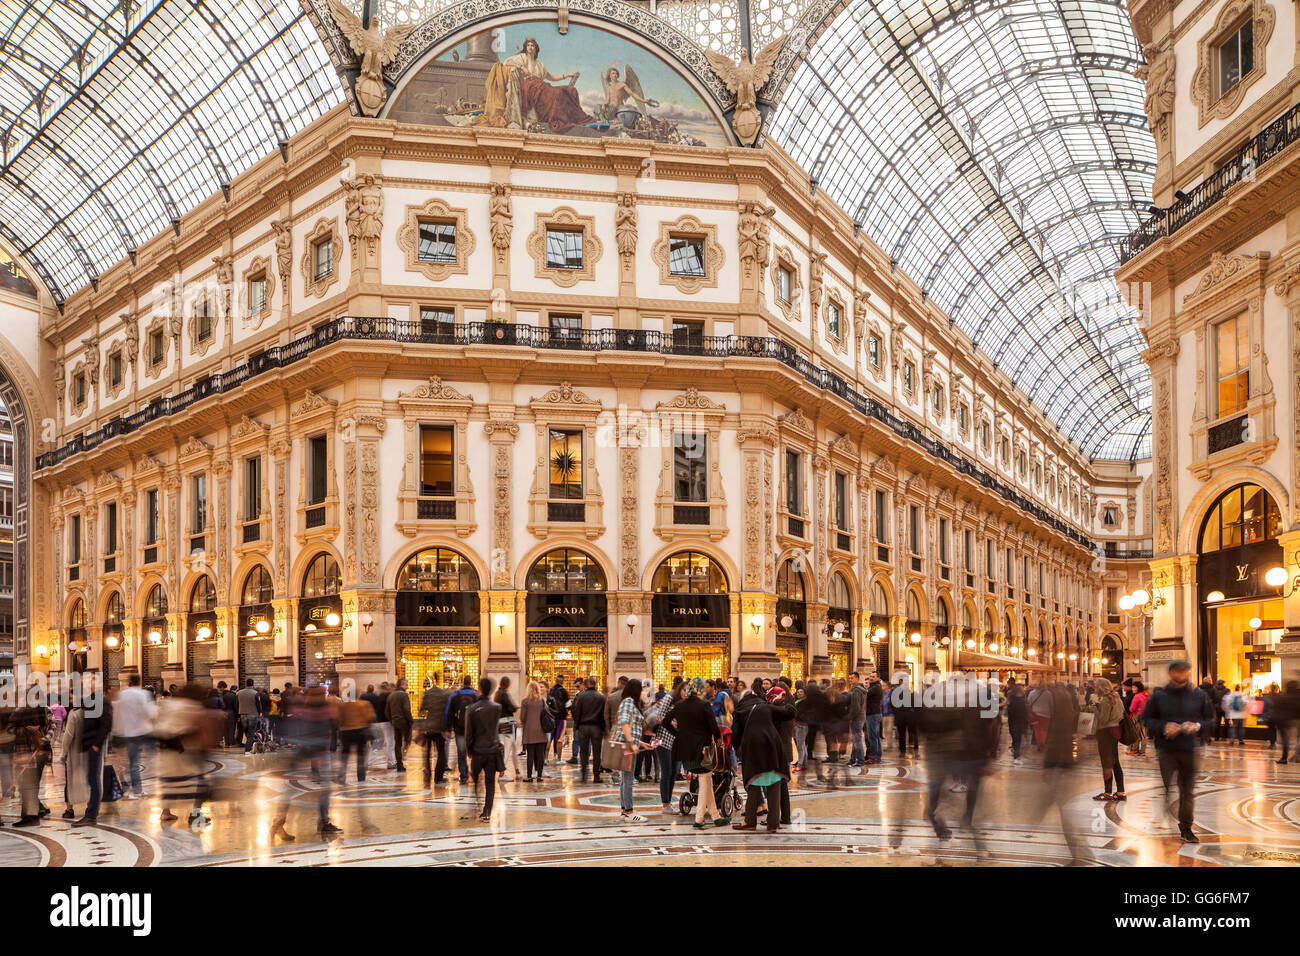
{"x": 988, "y": 622}
{"x": 838, "y": 595}
{"x": 1242, "y": 515}
{"x": 913, "y": 607}
{"x": 437, "y": 569}
{"x": 966, "y": 621}
{"x": 1011, "y": 628}
{"x": 566, "y": 569}
{"x": 689, "y": 572}
{"x": 155, "y": 603}
{"x": 116, "y": 610}
{"x": 203, "y": 596}
{"x": 941, "y": 613}
{"x": 77, "y": 615}
{"x": 257, "y": 587}
{"x": 879, "y": 599}
{"x": 789, "y": 582}
{"x": 322, "y": 576}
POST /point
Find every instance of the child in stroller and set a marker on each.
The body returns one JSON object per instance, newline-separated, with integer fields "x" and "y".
{"x": 263, "y": 741}
{"x": 729, "y": 797}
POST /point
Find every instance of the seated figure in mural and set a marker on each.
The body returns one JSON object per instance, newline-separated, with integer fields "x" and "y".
{"x": 520, "y": 95}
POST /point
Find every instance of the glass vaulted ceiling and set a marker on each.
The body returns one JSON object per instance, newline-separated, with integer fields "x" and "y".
{"x": 998, "y": 152}
{"x": 117, "y": 117}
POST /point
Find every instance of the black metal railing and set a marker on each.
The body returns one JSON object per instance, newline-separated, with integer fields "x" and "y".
{"x": 1227, "y": 434}
{"x": 365, "y": 328}
{"x": 435, "y": 508}
{"x": 1270, "y": 141}
{"x": 315, "y": 517}
{"x": 690, "y": 514}
{"x": 566, "y": 511}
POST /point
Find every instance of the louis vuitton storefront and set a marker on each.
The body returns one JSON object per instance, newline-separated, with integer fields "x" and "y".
{"x": 438, "y": 620}
{"x": 567, "y": 618}
{"x": 690, "y": 614}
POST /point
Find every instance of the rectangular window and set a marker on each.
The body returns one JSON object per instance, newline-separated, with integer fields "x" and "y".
{"x": 962, "y": 417}
{"x": 256, "y": 294}
{"x": 909, "y": 377}
{"x": 437, "y": 242}
{"x": 914, "y": 529}
{"x": 1011, "y": 567}
{"x": 79, "y": 389}
{"x": 198, "y": 504}
{"x": 784, "y": 282}
{"x": 793, "y": 496}
{"x": 323, "y": 258}
{"x": 110, "y": 528}
{"x": 565, "y": 327}
{"x": 688, "y": 336}
{"x": 968, "y": 549}
{"x": 566, "y": 464}
{"x": 833, "y": 320}
{"x": 564, "y": 248}
{"x": 318, "y": 469}
{"x": 841, "y": 501}
{"x": 686, "y": 256}
{"x": 74, "y": 540}
{"x": 151, "y": 516}
{"x": 1236, "y": 57}
{"x": 984, "y": 436}
{"x": 943, "y": 541}
{"x": 203, "y": 314}
{"x": 690, "y": 466}
{"x": 989, "y": 570}
{"x": 873, "y": 350}
{"x": 7, "y": 453}
{"x": 1024, "y": 573}
{"x": 252, "y": 488}
{"x": 437, "y": 454}
{"x": 115, "y": 369}
{"x": 1232, "y": 361}
{"x": 938, "y": 400}
{"x": 157, "y": 348}
{"x": 7, "y": 582}
{"x": 435, "y": 322}
{"x": 6, "y": 502}
{"x": 882, "y": 517}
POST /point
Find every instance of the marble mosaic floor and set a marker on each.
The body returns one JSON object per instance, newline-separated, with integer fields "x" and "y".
{"x": 1248, "y": 814}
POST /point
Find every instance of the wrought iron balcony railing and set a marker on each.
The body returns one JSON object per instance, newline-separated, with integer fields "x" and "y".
{"x": 353, "y": 328}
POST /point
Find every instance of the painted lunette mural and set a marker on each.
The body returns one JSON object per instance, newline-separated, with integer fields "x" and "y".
{"x": 588, "y": 82}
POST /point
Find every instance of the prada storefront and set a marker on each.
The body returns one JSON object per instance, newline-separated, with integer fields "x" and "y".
{"x": 438, "y": 621}
{"x": 153, "y": 626}
{"x": 791, "y": 622}
{"x": 690, "y": 619}
{"x": 567, "y": 618}
{"x": 256, "y": 624}
{"x": 1241, "y": 612}
{"x": 320, "y": 623}
{"x": 200, "y": 627}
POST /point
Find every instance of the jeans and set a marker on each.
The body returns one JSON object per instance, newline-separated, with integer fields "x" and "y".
{"x": 587, "y": 739}
{"x": 135, "y": 749}
{"x": 1237, "y": 729}
{"x": 486, "y": 764}
{"x": 859, "y": 753}
{"x": 401, "y": 740}
{"x": 801, "y": 743}
{"x": 248, "y": 725}
{"x": 873, "y": 737}
{"x": 1180, "y": 763}
{"x": 95, "y": 780}
{"x": 462, "y": 760}
{"x": 625, "y": 782}
{"x": 355, "y": 740}
{"x": 667, "y": 774}
{"x": 1016, "y": 730}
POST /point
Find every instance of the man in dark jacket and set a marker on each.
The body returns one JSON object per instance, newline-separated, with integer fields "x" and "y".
{"x": 589, "y": 726}
{"x": 482, "y": 739}
{"x": 383, "y": 729}
{"x": 432, "y": 707}
{"x": 453, "y": 723}
{"x": 1284, "y": 714}
{"x": 399, "y": 715}
{"x": 96, "y": 725}
{"x": 857, "y": 719}
{"x": 875, "y": 698}
{"x": 1176, "y": 716}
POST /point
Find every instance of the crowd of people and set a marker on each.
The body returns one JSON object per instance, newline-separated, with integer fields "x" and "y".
{"x": 731, "y": 745}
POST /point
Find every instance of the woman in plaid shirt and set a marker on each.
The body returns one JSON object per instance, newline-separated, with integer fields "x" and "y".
{"x": 656, "y": 719}
{"x": 631, "y": 725}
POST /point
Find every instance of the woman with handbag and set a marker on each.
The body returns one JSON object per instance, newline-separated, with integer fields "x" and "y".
{"x": 1109, "y": 709}
{"x": 507, "y": 725}
{"x": 531, "y": 719}
{"x": 698, "y": 746}
{"x": 631, "y": 725}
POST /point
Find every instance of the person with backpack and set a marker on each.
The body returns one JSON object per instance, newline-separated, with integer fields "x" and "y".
{"x": 1109, "y": 708}
{"x": 453, "y": 723}
{"x": 557, "y": 703}
{"x": 432, "y": 707}
{"x": 1235, "y": 704}
{"x": 532, "y": 721}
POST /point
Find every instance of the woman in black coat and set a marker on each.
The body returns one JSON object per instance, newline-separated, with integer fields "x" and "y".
{"x": 695, "y": 726}
{"x": 765, "y": 758}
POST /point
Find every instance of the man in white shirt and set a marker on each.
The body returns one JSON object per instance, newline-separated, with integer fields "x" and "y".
{"x": 133, "y": 716}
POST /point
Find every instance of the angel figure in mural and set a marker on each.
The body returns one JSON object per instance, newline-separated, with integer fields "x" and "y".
{"x": 618, "y": 92}
{"x": 376, "y": 50}
{"x": 745, "y": 79}
{"x": 520, "y": 95}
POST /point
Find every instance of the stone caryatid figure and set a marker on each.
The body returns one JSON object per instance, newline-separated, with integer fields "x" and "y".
{"x": 376, "y": 49}
{"x": 745, "y": 79}
{"x": 364, "y": 203}
{"x": 501, "y": 219}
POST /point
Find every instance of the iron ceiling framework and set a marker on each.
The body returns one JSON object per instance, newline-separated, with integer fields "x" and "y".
{"x": 118, "y": 117}
{"x": 999, "y": 153}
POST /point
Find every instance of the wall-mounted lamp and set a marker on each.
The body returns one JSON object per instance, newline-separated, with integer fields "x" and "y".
{"x": 1276, "y": 577}
{"x": 263, "y": 626}
{"x": 915, "y": 637}
{"x": 500, "y": 620}
{"x": 786, "y": 621}
{"x": 1143, "y": 601}
{"x": 1255, "y": 624}
{"x": 73, "y": 647}
{"x": 155, "y": 636}
{"x": 880, "y": 634}
{"x": 1032, "y": 652}
{"x": 970, "y": 643}
{"x": 1214, "y": 597}
{"x": 332, "y": 619}
{"x": 632, "y": 622}
{"x": 366, "y": 621}
{"x": 993, "y": 647}
{"x": 41, "y": 650}
{"x": 111, "y": 642}
{"x": 1074, "y": 657}
{"x": 203, "y": 633}
{"x": 757, "y": 622}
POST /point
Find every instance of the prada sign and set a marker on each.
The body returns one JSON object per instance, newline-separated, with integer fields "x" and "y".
{"x": 581, "y": 610}
{"x": 690, "y": 612}
{"x": 437, "y": 609}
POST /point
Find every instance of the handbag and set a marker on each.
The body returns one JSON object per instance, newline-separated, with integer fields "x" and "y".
{"x": 1127, "y": 731}
{"x": 709, "y": 757}
{"x": 611, "y": 754}
{"x": 112, "y": 789}
{"x": 1087, "y": 724}
{"x": 500, "y": 758}
{"x": 548, "y": 722}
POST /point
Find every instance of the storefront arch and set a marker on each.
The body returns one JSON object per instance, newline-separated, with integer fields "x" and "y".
{"x": 320, "y": 625}
{"x": 438, "y": 619}
{"x": 690, "y": 617}
{"x": 255, "y": 625}
{"x": 75, "y": 638}
{"x": 724, "y": 564}
{"x": 402, "y": 558}
{"x": 154, "y": 634}
{"x": 567, "y": 615}
{"x": 112, "y": 614}
{"x": 1199, "y": 506}
{"x": 200, "y": 631}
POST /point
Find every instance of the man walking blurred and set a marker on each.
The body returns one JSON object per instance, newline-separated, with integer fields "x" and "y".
{"x": 1176, "y": 716}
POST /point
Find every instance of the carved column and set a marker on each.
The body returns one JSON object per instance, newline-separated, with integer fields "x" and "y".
{"x": 506, "y": 643}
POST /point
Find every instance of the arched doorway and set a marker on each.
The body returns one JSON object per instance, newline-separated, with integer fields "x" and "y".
{"x": 690, "y": 619}
{"x": 114, "y": 636}
{"x": 76, "y": 644}
{"x": 320, "y": 623}
{"x": 839, "y": 625}
{"x": 879, "y": 630}
{"x": 438, "y": 620}
{"x": 256, "y": 627}
{"x": 200, "y": 632}
{"x": 912, "y": 632}
{"x": 1241, "y": 614}
{"x": 155, "y": 638}
{"x": 791, "y": 621}
{"x": 1112, "y": 659}
{"x": 567, "y": 618}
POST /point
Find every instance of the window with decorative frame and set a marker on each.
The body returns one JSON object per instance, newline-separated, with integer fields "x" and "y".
{"x": 1231, "y": 366}
{"x": 564, "y": 246}
{"x": 690, "y": 499}
{"x": 688, "y": 255}
{"x": 436, "y": 491}
{"x": 909, "y": 376}
{"x": 436, "y": 240}
{"x": 1230, "y": 57}
{"x": 566, "y": 496}
{"x": 787, "y": 283}
{"x": 322, "y": 258}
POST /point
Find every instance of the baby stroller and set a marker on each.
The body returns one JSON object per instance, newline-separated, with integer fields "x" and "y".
{"x": 263, "y": 741}
{"x": 729, "y": 797}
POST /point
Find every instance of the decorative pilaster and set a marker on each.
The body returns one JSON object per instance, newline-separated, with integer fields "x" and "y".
{"x": 501, "y": 434}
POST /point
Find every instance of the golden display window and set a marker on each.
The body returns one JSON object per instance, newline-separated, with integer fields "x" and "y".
{"x": 793, "y": 654}
{"x": 841, "y": 656}
{"x": 708, "y": 657}
{"x": 580, "y": 655}
{"x": 440, "y": 659}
